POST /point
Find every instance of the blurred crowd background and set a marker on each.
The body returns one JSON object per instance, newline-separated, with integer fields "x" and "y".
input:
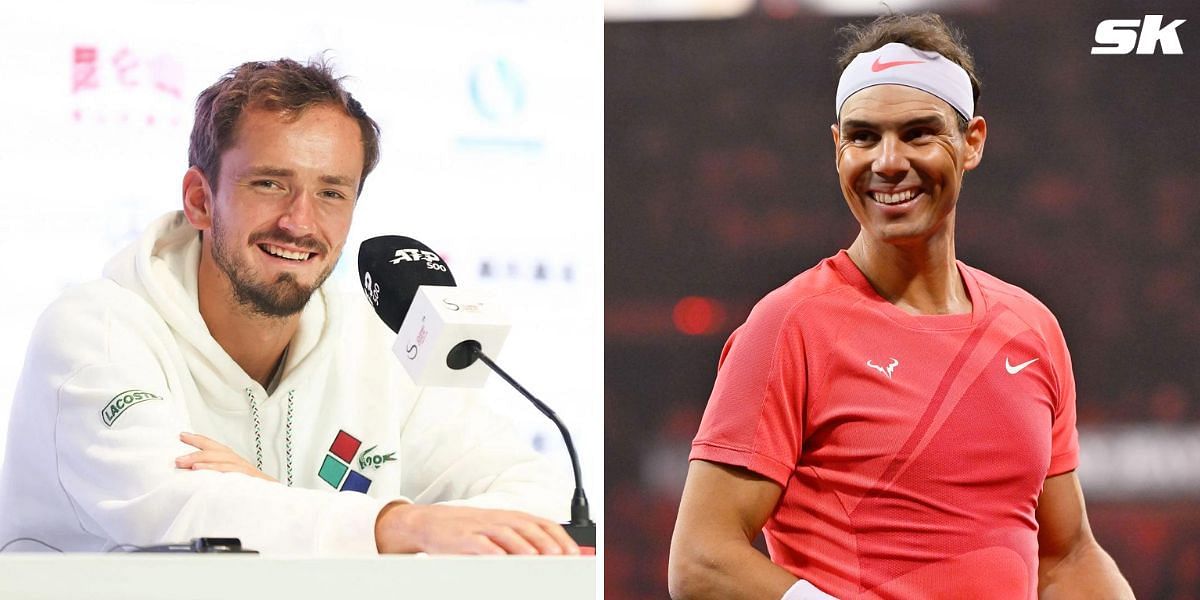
{"x": 720, "y": 186}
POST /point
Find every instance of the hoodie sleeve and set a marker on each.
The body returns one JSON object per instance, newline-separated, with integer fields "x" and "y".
{"x": 457, "y": 451}
{"x": 116, "y": 435}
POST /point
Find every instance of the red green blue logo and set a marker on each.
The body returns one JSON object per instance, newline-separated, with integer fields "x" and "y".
{"x": 336, "y": 471}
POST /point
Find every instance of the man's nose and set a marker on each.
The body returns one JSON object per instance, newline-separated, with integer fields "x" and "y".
{"x": 890, "y": 161}
{"x": 298, "y": 218}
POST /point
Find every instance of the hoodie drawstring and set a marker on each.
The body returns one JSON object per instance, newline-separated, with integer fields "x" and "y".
{"x": 287, "y": 432}
{"x": 287, "y": 437}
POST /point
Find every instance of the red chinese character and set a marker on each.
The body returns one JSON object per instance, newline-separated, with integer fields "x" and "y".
{"x": 85, "y": 72}
{"x": 167, "y": 75}
{"x": 125, "y": 63}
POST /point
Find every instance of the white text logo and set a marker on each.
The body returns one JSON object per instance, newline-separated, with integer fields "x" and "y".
{"x": 413, "y": 254}
{"x": 1121, "y": 36}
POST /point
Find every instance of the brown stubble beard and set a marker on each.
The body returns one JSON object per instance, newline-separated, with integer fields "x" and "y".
{"x": 279, "y": 299}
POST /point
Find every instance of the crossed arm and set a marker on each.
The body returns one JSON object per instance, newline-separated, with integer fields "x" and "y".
{"x": 407, "y": 528}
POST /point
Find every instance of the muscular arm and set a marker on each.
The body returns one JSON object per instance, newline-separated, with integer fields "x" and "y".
{"x": 721, "y": 512}
{"x": 1070, "y": 562}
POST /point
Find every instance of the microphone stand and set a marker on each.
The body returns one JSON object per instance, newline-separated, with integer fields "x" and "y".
{"x": 582, "y": 528}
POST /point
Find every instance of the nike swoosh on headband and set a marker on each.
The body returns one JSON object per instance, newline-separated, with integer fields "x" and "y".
{"x": 882, "y": 66}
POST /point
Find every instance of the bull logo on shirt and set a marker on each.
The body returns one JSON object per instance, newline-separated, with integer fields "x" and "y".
{"x": 885, "y": 370}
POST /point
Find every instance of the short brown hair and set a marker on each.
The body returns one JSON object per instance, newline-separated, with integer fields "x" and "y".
{"x": 285, "y": 86}
{"x": 925, "y": 31}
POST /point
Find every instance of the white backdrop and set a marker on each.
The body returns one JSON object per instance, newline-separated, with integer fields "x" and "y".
{"x": 491, "y": 112}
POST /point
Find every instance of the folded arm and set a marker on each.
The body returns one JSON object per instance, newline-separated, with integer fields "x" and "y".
{"x": 125, "y": 485}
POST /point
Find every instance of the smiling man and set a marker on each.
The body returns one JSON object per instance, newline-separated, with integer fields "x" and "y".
{"x": 211, "y": 385}
{"x": 897, "y": 423}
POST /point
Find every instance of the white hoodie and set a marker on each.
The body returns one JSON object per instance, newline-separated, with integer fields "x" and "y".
{"x": 118, "y": 367}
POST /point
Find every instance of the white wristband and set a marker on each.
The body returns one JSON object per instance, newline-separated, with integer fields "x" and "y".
{"x": 803, "y": 590}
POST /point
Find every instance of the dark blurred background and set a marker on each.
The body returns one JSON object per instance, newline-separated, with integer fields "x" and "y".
{"x": 720, "y": 186}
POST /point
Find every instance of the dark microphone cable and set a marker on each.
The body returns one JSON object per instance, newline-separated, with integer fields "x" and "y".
{"x": 28, "y": 539}
{"x": 200, "y": 544}
{"x": 582, "y": 528}
{"x": 391, "y": 269}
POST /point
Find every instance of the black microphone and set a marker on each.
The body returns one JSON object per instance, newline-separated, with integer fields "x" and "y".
{"x": 406, "y": 282}
{"x": 405, "y": 265}
{"x": 412, "y": 290}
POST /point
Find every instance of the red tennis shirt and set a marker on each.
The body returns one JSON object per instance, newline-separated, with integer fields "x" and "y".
{"x": 911, "y": 449}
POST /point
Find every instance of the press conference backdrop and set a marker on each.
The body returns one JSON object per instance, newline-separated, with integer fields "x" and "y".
{"x": 491, "y": 119}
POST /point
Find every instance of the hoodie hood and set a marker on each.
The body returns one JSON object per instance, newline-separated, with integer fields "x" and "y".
{"x": 162, "y": 266}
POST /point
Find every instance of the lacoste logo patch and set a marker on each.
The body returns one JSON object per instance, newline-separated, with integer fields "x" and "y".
{"x": 366, "y": 459}
{"x": 121, "y": 402}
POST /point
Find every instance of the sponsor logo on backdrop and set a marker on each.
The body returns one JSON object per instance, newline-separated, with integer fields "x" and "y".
{"x": 498, "y": 95}
{"x": 497, "y": 92}
{"x": 121, "y": 85}
{"x": 1140, "y": 36}
{"x": 534, "y": 271}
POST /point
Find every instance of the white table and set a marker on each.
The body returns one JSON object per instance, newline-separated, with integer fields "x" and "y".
{"x": 204, "y": 576}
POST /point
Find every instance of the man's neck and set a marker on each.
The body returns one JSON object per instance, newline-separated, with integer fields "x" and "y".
{"x": 255, "y": 342}
{"x": 920, "y": 279}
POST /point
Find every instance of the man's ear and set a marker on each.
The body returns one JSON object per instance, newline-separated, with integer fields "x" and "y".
{"x": 974, "y": 139}
{"x": 837, "y": 136}
{"x": 197, "y": 199}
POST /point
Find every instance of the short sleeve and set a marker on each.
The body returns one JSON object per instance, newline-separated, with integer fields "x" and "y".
{"x": 755, "y": 414}
{"x": 1064, "y": 441}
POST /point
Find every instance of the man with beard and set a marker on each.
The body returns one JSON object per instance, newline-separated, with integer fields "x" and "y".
{"x": 210, "y": 385}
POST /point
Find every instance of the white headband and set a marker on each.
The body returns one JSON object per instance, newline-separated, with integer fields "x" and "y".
{"x": 899, "y": 64}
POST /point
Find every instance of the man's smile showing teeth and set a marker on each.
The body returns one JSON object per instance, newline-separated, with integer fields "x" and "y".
{"x": 896, "y": 198}
{"x": 284, "y": 253}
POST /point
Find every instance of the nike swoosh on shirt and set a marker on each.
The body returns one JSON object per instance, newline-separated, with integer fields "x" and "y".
{"x": 1014, "y": 369}
{"x": 881, "y": 66}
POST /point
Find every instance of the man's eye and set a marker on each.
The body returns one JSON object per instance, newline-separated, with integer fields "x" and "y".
{"x": 861, "y": 136}
{"x": 917, "y": 134}
{"x": 265, "y": 184}
{"x": 334, "y": 195}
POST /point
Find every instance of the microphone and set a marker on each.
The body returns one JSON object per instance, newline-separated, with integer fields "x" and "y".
{"x": 406, "y": 275}
{"x": 441, "y": 332}
{"x": 412, "y": 290}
